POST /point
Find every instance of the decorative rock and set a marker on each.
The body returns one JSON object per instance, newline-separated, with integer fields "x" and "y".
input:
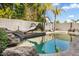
{"x": 13, "y": 41}
{"x": 20, "y": 51}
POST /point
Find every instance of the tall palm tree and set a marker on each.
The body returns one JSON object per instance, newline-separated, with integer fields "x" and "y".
{"x": 35, "y": 11}
{"x": 56, "y": 12}
{"x": 47, "y": 6}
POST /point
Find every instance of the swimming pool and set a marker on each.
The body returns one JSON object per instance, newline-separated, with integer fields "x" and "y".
{"x": 57, "y": 43}
{"x": 50, "y": 43}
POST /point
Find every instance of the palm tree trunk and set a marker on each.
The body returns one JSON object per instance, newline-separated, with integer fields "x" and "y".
{"x": 54, "y": 34}
{"x": 54, "y": 23}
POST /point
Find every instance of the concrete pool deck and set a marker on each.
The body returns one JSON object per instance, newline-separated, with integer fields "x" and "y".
{"x": 63, "y": 32}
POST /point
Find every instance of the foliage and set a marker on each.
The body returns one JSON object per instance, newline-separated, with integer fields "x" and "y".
{"x": 9, "y": 10}
{"x": 30, "y": 11}
{"x": 75, "y": 21}
{"x": 3, "y": 40}
{"x": 57, "y": 21}
{"x": 35, "y": 11}
{"x": 56, "y": 11}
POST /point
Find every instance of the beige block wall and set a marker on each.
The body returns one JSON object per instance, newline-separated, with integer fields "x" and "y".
{"x": 13, "y": 24}
{"x": 76, "y": 26}
{"x": 63, "y": 26}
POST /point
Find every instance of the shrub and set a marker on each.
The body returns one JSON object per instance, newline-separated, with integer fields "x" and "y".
{"x": 3, "y": 40}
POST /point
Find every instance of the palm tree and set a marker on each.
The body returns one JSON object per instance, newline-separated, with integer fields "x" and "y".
{"x": 35, "y": 11}
{"x": 12, "y": 10}
{"x": 42, "y": 9}
{"x": 56, "y": 12}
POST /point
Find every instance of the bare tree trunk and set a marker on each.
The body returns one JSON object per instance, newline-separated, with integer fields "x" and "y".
{"x": 44, "y": 21}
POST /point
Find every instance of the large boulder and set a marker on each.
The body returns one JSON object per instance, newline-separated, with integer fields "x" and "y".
{"x": 20, "y": 51}
{"x": 13, "y": 40}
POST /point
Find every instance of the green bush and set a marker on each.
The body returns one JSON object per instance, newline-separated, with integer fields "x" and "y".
{"x": 3, "y": 40}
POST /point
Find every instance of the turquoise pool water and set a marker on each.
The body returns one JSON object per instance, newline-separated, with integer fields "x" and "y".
{"x": 53, "y": 45}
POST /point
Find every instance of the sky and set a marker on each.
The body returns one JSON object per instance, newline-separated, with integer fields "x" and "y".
{"x": 70, "y": 11}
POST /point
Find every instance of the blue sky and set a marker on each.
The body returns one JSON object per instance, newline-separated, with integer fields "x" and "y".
{"x": 70, "y": 11}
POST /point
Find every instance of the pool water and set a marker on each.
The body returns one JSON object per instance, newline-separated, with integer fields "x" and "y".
{"x": 52, "y": 46}
{"x": 51, "y": 43}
